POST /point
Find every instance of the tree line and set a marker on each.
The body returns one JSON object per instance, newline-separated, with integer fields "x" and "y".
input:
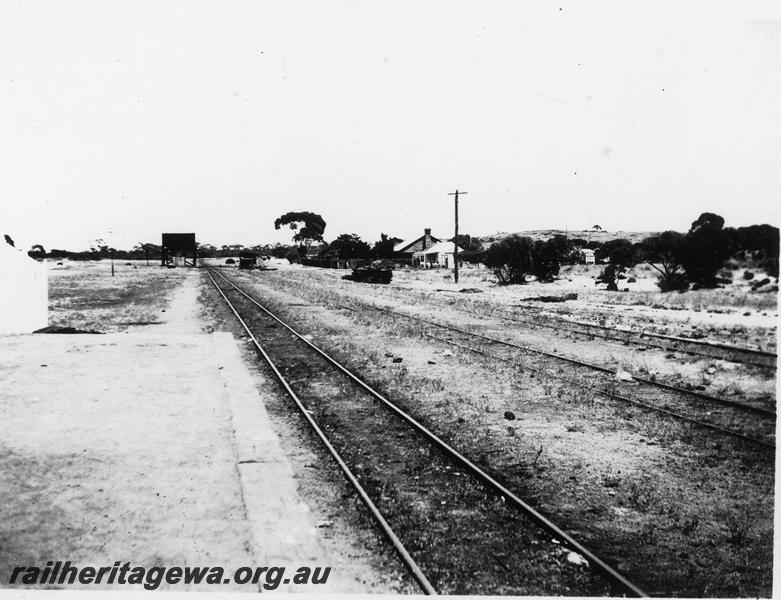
{"x": 681, "y": 260}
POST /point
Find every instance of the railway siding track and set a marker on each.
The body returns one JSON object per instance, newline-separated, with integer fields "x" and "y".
{"x": 698, "y": 347}
{"x": 757, "y": 357}
{"x": 467, "y": 531}
{"x": 765, "y": 362}
{"x": 713, "y": 413}
{"x": 708, "y": 412}
{"x": 706, "y": 348}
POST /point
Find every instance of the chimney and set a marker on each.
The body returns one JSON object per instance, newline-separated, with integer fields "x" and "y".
{"x": 426, "y": 236}
{"x": 427, "y": 231}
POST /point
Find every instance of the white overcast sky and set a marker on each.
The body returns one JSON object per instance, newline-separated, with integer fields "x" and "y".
{"x": 137, "y": 117}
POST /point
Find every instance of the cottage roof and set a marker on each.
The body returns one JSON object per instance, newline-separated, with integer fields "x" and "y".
{"x": 402, "y": 246}
{"x": 440, "y": 248}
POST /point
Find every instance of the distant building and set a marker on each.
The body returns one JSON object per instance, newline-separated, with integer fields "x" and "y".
{"x": 439, "y": 255}
{"x": 247, "y": 259}
{"x": 408, "y": 248}
{"x": 587, "y": 257}
{"x": 24, "y": 295}
{"x": 177, "y": 249}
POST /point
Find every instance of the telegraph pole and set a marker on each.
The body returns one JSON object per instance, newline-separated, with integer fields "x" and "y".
{"x": 455, "y": 239}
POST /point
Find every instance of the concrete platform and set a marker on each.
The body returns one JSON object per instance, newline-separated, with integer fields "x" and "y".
{"x": 144, "y": 447}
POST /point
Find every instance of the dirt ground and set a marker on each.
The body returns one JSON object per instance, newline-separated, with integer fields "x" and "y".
{"x": 647, "y": 486}
{"x": 733, "y": 314}
{"x": 133, "y": 445}
{"x": 104, "y": 459}
{"x": 116, "y": 447}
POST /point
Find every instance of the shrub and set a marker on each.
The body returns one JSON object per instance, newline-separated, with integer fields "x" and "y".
{"x": 347, "y": 246}
{"x": 511, "y": 259}
{"x": 666, "y": 250}
{"x": 622, "y": 254}
{"x": 707, "y": 248}
{"x": 546, "y": 259}
{"x": 293, "y": 256}
{"x": 674, "y": 282}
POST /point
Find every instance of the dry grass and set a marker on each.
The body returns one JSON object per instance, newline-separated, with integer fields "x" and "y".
{"x": 86, "y": 296}
{"x": 648, "y": 482}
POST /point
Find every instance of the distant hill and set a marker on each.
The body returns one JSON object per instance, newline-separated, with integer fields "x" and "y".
{"x": 594, "y": 236}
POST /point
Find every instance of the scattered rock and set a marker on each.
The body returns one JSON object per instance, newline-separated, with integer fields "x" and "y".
{"x": 431, "y": 362}
{"x": 398, "y": 359}
{"x": 388, "y": 355}
{"x": 622, "y": 375}
{"x": 470, "y": 291}
{"x": 576, "y": 559}
{"x": 509, "y": 415}
{"x": 710, "y": 370}
{"x": 760, "y": 283}
{"x": 447, "y": 353}
{"x": 324, "y": 524}
{"x": 564, "y": 298}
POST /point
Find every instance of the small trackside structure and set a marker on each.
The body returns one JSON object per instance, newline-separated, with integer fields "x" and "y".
{"x": 248, "y": 260}
{"x": 177, "y": 249}
{"x": 24, "y": 294}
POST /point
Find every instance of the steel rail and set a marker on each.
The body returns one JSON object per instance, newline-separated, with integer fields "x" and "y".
{"x": 479, "y": 474}
{"x": 674, "y": 338}
{"x": 610, "y": 395}
{"x": 405, "y": 556}
{"x": 695, "y": 394}
{"x": 650, "y": 334}
{"x": 661, "y": 336}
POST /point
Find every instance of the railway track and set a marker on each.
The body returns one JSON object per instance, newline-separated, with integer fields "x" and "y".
{"x": 456, "y": 528}
{"x": 709, "y": 349}
{"x": 695, "y": 347}
{"x": 721, "y": 415}
{"x": 713, "y": 413}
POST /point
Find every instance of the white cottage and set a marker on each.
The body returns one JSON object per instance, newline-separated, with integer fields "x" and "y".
{"x": 587, "y": 256}
{"x": 24, "y": 292}
{"x": 439, "y": 255}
